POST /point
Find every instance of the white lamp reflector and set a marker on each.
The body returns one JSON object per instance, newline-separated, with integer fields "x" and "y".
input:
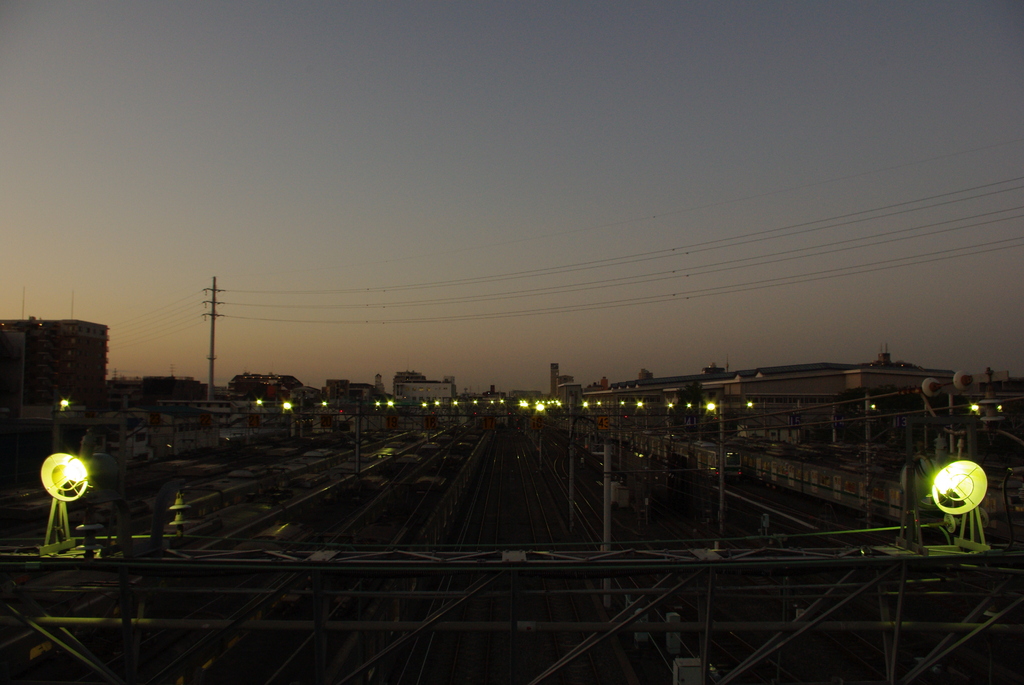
{"x": 959, "y": 487}
{"x": 64, "y": 477}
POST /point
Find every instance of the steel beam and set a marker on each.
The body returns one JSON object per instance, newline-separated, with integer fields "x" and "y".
{"x": 624, "y": 618}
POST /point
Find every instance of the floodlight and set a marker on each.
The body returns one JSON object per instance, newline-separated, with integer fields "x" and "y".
{"x": 959, "y": 487}
{"x": 64, "y": 477}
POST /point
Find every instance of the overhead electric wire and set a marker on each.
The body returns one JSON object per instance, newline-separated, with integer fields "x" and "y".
{"x": 168, "y": 322}
{"x": 691, "y": 208}
{"x": 718, "y": 243}
{"x": 704, "y": 269}
{"x": 157, "y": 336}
{"x": 826, "y": 274}
{"x": 157, "y": 320}
{"x": 191, "y": 297}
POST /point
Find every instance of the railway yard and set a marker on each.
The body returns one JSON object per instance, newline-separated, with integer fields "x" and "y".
{"x": 512, "y": 555}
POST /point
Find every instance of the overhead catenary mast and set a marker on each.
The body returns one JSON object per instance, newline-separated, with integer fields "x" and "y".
{"x": 213, "y": 328}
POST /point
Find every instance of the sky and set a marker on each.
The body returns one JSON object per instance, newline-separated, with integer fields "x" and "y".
{"x": 479, "y": 190}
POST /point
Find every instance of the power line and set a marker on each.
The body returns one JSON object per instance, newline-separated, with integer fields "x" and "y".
{"x": 719, "y": 243}
{"x": 761, "y": 284}
{"x": 156, "y": 336}
{"x": 726, "y": 265}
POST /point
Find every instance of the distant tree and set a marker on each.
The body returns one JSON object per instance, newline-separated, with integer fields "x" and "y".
{"x": 692, "y": 394}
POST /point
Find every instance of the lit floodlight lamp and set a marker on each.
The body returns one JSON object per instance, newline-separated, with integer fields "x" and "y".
{"x": 64, "y": 404}
{"x": 959, "y": 487}
{"x": 287, "y": 406}
{"x": 958, "y": 490}
{"x": 64, "y": 477}
{"x": 711, "y": 406}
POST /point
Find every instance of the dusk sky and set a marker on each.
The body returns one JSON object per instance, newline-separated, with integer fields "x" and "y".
{"x": 481, "y": 189}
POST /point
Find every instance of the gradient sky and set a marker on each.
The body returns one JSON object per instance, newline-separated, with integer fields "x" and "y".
{"x": 481, "y": 189}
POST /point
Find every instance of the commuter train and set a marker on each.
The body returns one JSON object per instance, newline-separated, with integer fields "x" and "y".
{"x": 830, "y": 474}
{"x": 707, "y": 456}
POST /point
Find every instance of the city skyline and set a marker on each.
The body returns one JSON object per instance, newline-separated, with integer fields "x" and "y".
{"x": 478, "y": 191}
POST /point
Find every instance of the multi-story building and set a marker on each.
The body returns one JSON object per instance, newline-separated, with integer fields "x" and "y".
{"x": 412, "y": 385}
{"x": 263, "y": 386}
{"x": 336, "y": 389}
{"x": 45, "y": 361}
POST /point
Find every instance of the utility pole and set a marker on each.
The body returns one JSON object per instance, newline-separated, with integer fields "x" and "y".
{"x": 213, "y": 327}
{"x": 606, "y": 544}
{"x": 721, "y": 467}
{"x": 572, "y": 470}
{"x": 867, "y": 457}
{"x": 359, "y": 437}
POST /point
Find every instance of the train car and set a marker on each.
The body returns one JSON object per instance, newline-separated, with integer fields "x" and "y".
{"x": 834, "y": 475}
{"x": 707, "y": 457}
